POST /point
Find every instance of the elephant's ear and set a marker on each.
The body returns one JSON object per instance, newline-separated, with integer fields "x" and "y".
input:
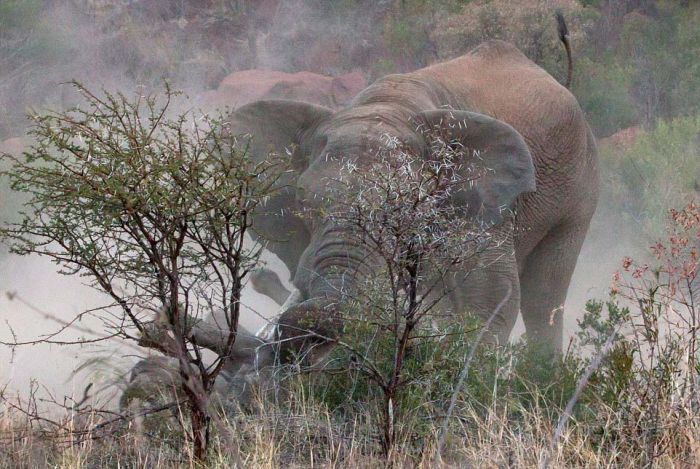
{"x": 276, "y": 125}
{"x": 496, "y": 149}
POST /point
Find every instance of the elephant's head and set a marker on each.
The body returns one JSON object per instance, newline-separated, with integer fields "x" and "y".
{"x": 320, "y": 142}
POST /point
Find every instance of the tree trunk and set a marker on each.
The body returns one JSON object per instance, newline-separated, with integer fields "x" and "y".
{"x": 200, "y": 431}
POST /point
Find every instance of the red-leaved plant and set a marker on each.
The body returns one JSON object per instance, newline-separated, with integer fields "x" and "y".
{"x": 660, "y": 330}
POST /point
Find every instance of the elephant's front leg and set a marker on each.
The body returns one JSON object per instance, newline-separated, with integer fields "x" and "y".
{"x": 490, "y": 289}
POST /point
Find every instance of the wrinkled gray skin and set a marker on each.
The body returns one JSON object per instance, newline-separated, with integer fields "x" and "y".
{"x": 530, "y": 131}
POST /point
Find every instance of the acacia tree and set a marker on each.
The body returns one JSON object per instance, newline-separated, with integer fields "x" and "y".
{"x": 152, "y": 211}
{"x": 419, "y": 244}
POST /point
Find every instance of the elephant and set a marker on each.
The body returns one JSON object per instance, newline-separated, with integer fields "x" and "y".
{"x": 242, "y": 87}
{"x": 530, "y": 132}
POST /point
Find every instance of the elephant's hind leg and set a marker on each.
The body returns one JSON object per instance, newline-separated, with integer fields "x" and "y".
{"x": 544, "y": 282}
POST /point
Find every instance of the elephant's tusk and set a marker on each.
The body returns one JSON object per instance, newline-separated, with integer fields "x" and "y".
{"x": 294, "y": 298}
{"x": 267, "y": 332}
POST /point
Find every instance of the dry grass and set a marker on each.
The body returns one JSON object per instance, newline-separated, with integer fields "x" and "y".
{"x": 302, "y": 432}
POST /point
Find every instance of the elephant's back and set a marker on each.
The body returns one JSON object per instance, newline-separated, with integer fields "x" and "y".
{"x": 496, "y": 79}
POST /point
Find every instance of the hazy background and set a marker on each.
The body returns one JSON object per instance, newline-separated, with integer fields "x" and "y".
{"x": 636, "y": 75}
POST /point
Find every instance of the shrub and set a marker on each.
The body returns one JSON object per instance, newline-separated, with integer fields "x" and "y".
{"x": 404, "y": 356}
{"x": 657, "y": 171}
{"x": 152, "y": 211}
{"x": 649, "y": 381}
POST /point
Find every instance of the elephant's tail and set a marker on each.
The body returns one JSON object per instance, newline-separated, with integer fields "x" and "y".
{"x": 564, "y": 38}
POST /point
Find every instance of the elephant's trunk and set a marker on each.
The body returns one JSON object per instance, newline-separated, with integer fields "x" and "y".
{"x": 340, "y": 261}
{"x": 327, "y": 277}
